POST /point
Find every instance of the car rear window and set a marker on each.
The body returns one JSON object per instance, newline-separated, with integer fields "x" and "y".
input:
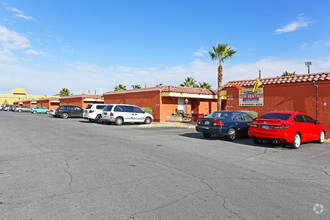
{"x": 108, "y": 108}
{"x": 100, "y": 107}
{"x": 89, "y": 107}
{"x": 218, "y": 115}
{"x": 282, "y": 116}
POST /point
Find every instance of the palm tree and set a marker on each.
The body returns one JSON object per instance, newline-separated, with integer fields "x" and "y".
{"x": 120, "y": 87}
{"x": 286, "y": 73}
{"x": 65, "y": 92}
{"x": 204, "y": 85}
{"x": 189, "y": 82}
{"x": 136, "y": 87}
{"x": 222, "y": 52}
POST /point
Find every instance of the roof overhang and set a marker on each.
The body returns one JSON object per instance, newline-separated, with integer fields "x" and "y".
{"x": 188, "y": 95}
{"x": 93, "y": 100}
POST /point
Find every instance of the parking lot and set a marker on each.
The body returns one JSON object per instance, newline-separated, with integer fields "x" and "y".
{"x": 54, "y": 168}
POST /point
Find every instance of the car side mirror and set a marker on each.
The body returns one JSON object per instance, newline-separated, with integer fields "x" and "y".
{"x": 317, "y": 122}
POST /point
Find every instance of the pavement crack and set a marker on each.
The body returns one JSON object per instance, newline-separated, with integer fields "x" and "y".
{"x": 324, "y": 171}
{"x": 165, "y": 205}
{"x": 66, "y": 169}
{"x": 203, "y": 181}
{"x": 252, "y": 156}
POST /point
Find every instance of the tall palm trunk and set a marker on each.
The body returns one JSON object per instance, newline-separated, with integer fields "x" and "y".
{"x": 219, "y": 85}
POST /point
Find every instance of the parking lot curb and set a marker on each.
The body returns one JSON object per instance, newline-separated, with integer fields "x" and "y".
{"x": 184, "y": 126}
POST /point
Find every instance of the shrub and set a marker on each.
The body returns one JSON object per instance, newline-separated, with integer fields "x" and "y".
{"x": 147, "y": 109}
{"x": 253, "y": 114}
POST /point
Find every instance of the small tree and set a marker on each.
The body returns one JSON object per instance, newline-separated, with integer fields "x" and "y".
{"x": 120, "y": 87}
{"x": 286, "y": 73}
{"x": 189, "y": 82}
{"x": 204, "y": 85}
{"x": 65, "y": 92}
{"x": 5, "y": 102}
{"x": 160, "y": 84}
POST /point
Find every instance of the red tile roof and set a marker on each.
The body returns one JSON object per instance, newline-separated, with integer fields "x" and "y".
{"x": 91, "y": 96}
{"x": 176, "y": 89}
{"x": 282, "y": 79}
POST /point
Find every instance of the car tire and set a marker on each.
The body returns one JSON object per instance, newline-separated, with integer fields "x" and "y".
{"x": 296, "y": 141}
{"x": 34, "y": 112}
{"x": 231, "y": 134}
{"x": 19, "y": 110}
{"x": 65, "y": 115}
{"x": 147, "y": 120}
{"x": 322, "y": 137}
{"x": 119, "y": 121}
{"x": 206, "y": 135}
{"x": 97, "y": 118}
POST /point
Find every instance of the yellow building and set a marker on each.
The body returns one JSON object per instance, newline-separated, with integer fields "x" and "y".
{"x": 18, "y": 94}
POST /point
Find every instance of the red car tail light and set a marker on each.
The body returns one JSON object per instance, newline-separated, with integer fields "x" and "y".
{"x": 217, "y": 123}
{"x": 111, "y": 114}
{"x": 60, "y": 110}
{"x": 198, "y": 121}
{"x": 91, "y": 111}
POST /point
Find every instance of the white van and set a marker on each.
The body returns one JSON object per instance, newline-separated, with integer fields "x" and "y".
{"x": 121, "y": 113}
{"x": 93, "y": 112}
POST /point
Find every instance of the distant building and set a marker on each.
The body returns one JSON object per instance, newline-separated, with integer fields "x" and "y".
{"x": 17, "y": 95}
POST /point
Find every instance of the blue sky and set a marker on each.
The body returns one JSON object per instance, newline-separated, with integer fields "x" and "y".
{"x": 93, "y": 45}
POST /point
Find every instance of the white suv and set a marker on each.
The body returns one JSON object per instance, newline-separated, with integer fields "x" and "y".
{"x": 121, "y": 113}
{"x": 93, "y": 112}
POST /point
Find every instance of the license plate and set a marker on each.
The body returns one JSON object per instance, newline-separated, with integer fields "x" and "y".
{"x": 265, "y": 127}
{"x": 206, "y": 123}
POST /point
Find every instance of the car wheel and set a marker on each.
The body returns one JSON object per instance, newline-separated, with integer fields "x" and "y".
{"x": 206, "y": 135}
{"x": 231, "y": 134}
{"x": 65, "y": 115}
{"x": 97, "y": 118}
{"x": 147, "y": 120}
{"x": 34, "y": 112}
{"x": 322, "y": 137}
{"x": 119, "y": 121}
{"x": 20, "y": 110}
{"x": 296, "y": 141}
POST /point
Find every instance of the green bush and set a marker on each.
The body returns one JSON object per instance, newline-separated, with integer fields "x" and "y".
{"x": 253, "y": 114}
{"x": 147, "y": 109}
{"x": 177, "y": 115}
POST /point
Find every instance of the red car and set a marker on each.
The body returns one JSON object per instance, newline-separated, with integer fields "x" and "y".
{"x": 286, "y": 127}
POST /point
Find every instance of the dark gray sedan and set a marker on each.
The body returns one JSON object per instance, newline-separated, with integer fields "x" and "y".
{"x": 228, "y": 124}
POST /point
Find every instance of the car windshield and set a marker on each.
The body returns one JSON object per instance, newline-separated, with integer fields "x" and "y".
{"x": 89, "y": 107}
{"x": 218, "y": 115}
{"x": 282, "y": 116}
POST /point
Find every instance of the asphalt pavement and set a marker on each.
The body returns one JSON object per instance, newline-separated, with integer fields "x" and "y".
{"x": 52, "y": 168}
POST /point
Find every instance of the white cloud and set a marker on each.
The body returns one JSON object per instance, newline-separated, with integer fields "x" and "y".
{"x": 19, "y": 14}
{"x": 12, "y": 40}
{"x": 200, "y": 52}
{"x": 34, "y": 52}
{"x": 7, "y": 56}
{"x": 293, "y": 26}
{"x": 83, "y": 77}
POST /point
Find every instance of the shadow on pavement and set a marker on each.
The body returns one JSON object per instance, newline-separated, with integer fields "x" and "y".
{"x": 240, "y": 140}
